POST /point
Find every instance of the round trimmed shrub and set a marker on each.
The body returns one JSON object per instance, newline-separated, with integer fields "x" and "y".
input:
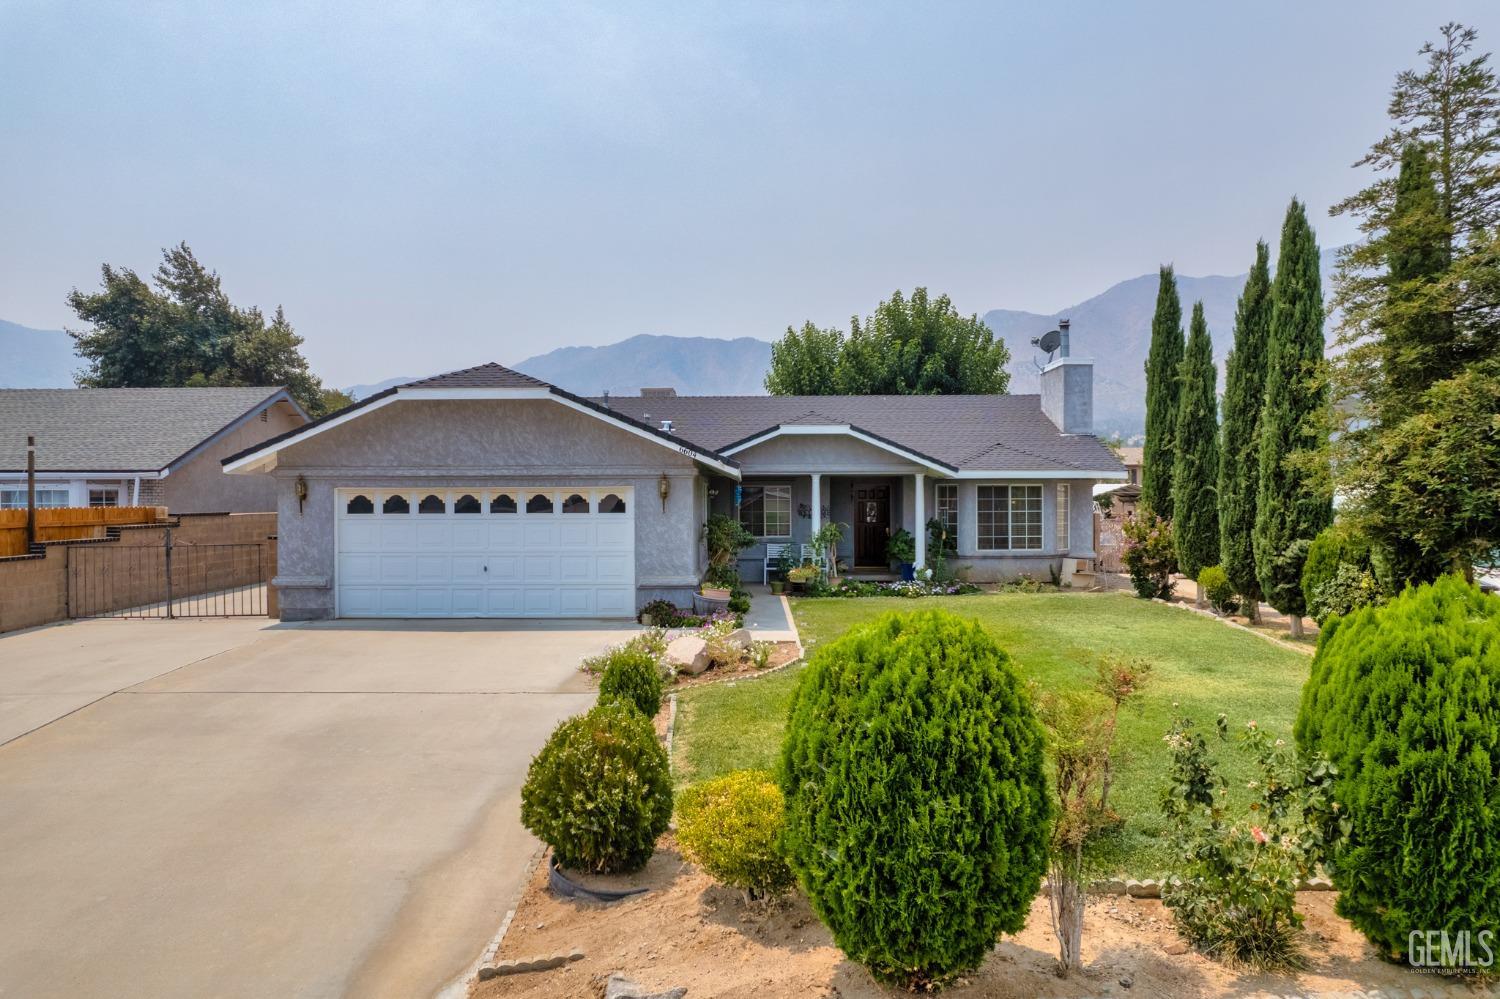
{"x": 599, "y": 793}
{"x": 1333, "y": 548}
{"x": 917, "y": 810}
{"x": 1218, "y": 589}
{"x": 730, "y": 827}
{"x": 1405, "y": 701}
{"x": 632, "y": 675}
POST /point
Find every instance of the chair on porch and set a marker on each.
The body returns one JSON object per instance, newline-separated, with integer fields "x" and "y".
{"x": 773, "y": 558}
{"x": 812, "y": 555}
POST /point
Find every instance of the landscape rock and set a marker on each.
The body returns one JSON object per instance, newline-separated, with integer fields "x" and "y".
{"x": 687, "y": 654}
{"x": 620, "y": 987}
{"x": 1143, "y": 889}
{"x": 740, "y": 637}
{"x": 1175, "y": 949}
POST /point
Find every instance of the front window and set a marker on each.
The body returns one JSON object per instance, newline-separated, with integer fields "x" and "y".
{"x": 15, "y": 499}
{"x": 104, "y": 497}
{"x": 1010, "y": 518}
{"x": 766, "y": 511}
{"x": 946, "y": 496}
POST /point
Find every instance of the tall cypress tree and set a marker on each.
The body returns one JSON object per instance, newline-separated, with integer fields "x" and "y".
{"x": 1239, "y": 458}
{"x": 1195, "y": 469}
{"x": 1162, "y": 392}
{"x": 1292, "y": 502}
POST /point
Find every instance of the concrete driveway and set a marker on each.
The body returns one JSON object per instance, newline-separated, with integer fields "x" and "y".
{"x": 242, "y": 808}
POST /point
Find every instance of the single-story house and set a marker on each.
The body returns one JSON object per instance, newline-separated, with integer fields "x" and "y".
{"x": 140, "y": 446}
{"x": 488, "y": 493}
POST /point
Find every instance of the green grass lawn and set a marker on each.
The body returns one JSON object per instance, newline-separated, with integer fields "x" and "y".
{"x": 1201, "y": 666}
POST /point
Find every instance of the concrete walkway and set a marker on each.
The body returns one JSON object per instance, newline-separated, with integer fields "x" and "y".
{"x": 769, "y": 618}
{"x": 236, "y": 808}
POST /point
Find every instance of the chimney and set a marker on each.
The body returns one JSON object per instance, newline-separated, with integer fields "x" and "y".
{"x": 1068, "y": 389}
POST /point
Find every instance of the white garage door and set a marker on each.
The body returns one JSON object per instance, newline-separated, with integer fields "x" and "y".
{"x": 533, "y": 552}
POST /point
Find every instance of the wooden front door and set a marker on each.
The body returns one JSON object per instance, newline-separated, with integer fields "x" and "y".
{"x": 872, "y": 524}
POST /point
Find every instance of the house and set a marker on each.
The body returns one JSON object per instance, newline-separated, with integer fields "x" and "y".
{"x": 1120, "y": 500}
{"x": 488, "y": 493}
{"x": 140, "y": 446}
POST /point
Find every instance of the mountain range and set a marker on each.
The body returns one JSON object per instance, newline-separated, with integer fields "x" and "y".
{"x": 1113, "y": 328}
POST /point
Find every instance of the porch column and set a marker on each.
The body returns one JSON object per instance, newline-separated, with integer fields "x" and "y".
{"x": 817, "y": 502}
{"x": 920, "y": 509}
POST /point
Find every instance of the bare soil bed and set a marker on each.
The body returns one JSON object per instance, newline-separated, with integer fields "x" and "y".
{"x": 687, "y": 931}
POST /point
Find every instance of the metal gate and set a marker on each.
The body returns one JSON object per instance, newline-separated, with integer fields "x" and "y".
{"x": 169, "y": 580}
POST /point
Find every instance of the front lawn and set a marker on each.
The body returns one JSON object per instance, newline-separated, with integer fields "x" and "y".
{"x": 1200, "y": 665}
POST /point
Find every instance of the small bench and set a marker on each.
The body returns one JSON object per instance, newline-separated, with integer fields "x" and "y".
{"x": 773, "y": 558}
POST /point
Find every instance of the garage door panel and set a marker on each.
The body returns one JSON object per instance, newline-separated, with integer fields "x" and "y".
{"x": 491, "y": 563}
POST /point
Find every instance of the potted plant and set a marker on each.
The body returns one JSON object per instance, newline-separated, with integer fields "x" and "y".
{"x": 902, "y": 549}
{"x": 778, "y": 586}
{"x": 826, "y": 541}
{"x": 801, "y": 576}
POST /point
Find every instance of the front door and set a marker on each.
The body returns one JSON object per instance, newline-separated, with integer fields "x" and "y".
{"x": 872, "y": 524}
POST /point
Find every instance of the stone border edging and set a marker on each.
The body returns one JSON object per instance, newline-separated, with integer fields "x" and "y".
{"x": 1305, "y": 650}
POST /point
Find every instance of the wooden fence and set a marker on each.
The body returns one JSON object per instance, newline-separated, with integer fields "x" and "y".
{"x": 70, "y": 523}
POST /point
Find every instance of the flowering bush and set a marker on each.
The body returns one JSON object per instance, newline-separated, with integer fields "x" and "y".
{"x": 1233, "y": 891}
{"x": 1149, "y": 555}
{"x": 651, "y": 642}
{"x": 901, "y": 588}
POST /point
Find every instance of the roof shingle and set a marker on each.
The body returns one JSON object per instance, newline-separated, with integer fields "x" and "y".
{"x": 116, "y": 429}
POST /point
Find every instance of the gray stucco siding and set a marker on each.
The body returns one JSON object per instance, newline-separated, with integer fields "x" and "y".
{"x": 485, "y": 444}
{"x": 987, "y": 566}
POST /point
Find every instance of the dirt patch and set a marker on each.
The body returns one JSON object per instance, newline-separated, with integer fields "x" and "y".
{"x": 783, "y": 653}
{"x": 688, "y": 931}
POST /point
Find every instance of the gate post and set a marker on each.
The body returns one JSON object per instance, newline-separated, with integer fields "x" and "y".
{"x": 169, "y": 572}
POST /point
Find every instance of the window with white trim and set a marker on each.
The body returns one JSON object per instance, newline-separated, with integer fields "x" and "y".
{"x": 945, "y": 505}
{"x": 766, "y": 511}
{"x": 15, "y": 499}
{"x": 1009, "y": 518}
{"x": 104, "y": 497}
{"x": 1062, "y": 515}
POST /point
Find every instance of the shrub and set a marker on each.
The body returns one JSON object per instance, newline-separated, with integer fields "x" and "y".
{"x": 760, "y": 653}
{"x": 1149, "y": 555}
{"x": 722, "y": 651}
{"x": 633, "y": 675}
{"x": 901, "y": 547}
{"x": 739, "y": 604}
{"x": 1330, "y": 552}
{"x": 1233, "y": 888}
{"x": 663, "y": 614}
{"x": 724, "y": 537}
{"x": 599, "y": 792}
{"x": 918, "y": 812}
{"x": 651, "y": 642}
{"x": 1214, "y": 582}
{"x": 1404, "y": 699}
{"x": 730, "y": 827}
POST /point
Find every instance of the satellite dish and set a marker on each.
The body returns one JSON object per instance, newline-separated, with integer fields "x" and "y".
{"x": 1050, "y": 341}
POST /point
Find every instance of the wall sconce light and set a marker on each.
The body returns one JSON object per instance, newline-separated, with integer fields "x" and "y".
{"x": 664, "y": 487}
{"x": 712, "y": 492}
{"x": 299, "y": 489}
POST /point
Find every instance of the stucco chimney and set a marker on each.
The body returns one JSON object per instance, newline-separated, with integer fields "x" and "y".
{"x": 1068, "y": 389}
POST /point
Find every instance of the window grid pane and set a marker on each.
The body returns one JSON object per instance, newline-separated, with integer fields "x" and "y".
{"x": 947, "y": 513}
{"x": 1062, "y": 517}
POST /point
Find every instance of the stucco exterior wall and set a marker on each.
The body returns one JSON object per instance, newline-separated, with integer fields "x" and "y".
{"x": 199, "y": 484}
{"x": 482, "y": 443}
{"x": 830, "y": 454}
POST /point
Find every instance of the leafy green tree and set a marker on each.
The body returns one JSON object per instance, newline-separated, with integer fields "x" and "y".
{"x": 1195, "y": 471}
{"x": 1163, "y": 364}
{"x": 1292, "y": 502}
{"x": 805, "y": 362}
{"x": 909, "y": 346}
{"x": 1244, "y": 397}
{"x": 1419, "y": 296}
{"x": 182, "y": 330}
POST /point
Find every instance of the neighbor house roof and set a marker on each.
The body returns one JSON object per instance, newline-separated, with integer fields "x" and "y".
{"x": 959, "y": 432}
{"x": 120, "y": 429}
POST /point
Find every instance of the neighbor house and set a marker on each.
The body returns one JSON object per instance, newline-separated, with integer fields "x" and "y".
{"x": 140, "y": 446}
{"x": 489, "y": 493}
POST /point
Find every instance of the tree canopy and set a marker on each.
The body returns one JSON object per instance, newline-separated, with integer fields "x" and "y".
{"x": 1244, "y": 394}
{"x": 1163, "y": 364}
{"x": 182, "y": 330}
{"x": 909, "y": 346}
{"x": 1419, "y": 298}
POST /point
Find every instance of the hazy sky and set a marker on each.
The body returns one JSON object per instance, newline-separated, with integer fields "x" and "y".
{"x": 431, "y": 185}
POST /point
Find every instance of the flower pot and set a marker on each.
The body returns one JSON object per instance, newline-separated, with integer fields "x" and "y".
{"x": 778, "y": 586}
{"x": 715, "y": 592}
{"x": 705, "y": 603}
{"x": 908, "y": 572}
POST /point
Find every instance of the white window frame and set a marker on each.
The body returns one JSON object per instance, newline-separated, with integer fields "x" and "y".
{"x": 112, "y": 491}
{"x": 783, "y": 492}
{"x": 941, "y": 492}
{"x": 1062, "y": 534}
{"x": 14, "y": 497}
{"x": 1010, "y": 532}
